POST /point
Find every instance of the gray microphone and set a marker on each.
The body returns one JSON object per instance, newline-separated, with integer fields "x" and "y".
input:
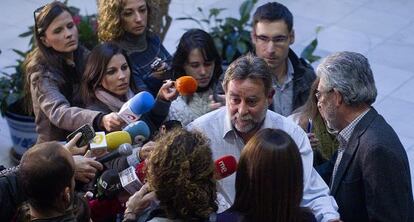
{"x": 123, "y": 150}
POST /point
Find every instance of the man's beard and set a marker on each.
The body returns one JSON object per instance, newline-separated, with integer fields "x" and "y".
{"x": 253, "y": 124}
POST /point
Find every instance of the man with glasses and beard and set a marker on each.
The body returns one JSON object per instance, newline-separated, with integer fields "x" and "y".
{"x": 248, "y": 92}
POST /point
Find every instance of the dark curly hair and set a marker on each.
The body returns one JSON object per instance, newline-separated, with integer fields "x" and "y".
{"x": 181, "y": 171}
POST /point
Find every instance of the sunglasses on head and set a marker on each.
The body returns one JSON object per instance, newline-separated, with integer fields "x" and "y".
{"x": 35, "y": 15}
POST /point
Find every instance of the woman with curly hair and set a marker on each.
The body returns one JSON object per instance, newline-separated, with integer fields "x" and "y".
{"x": 127, "y": 22}
{"x": 180, "y": 172}
{"x": 269, "y": 181}
{"x": 196, "y": 56}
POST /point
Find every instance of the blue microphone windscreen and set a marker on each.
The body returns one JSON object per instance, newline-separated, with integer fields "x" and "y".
{"x": 141, "y": 103}
{"x": 138, "y": 128}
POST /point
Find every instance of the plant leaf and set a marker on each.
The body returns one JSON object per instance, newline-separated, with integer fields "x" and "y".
{"x": 20, "y": 53}
{"x": 308, "y": 51}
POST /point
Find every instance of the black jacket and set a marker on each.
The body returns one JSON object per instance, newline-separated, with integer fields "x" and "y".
{"x": 373, "y": 181}
{"x": 11, "y": 196}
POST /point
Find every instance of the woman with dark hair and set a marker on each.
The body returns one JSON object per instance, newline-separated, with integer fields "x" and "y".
{"x": 196, "y": 56}
{"x": 269, "y": 181}
{"x": 53, "y": 72}
{"x": 106, "y": 85}
{"x": 180, "y": 173}
{"x": 128, "y": 22}
{"x": 323, "y": 140}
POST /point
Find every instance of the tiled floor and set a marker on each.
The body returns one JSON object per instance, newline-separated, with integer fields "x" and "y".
{"x": 382, "y": 30}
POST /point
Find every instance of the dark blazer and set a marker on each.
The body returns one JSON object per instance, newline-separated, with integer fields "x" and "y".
{"x": 373, "y": 180}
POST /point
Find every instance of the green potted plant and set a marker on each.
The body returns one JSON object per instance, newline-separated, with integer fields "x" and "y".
{"x": 21, "y": 123}
{"x": 231, "y": 35}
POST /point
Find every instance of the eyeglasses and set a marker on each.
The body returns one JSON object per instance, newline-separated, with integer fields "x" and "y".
{"x": 318, "y": 93}
{"x": 278, "y": 40}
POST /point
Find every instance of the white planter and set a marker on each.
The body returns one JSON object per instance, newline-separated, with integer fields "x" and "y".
{"x": 22, "y": 132}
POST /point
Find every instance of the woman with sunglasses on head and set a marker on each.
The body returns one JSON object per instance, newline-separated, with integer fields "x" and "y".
{"x": 53, "y": 72}
{"x": 127, "y": 22}
{"x": 196, "y": 56}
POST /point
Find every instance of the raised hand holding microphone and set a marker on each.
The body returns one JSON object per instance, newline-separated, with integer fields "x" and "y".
{"x": 86, "y": 167}
{"x": 167, "y": 91}
{"x": 112, "y": 122}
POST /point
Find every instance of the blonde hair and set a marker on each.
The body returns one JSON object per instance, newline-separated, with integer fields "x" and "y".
{"x": 109, "y": 19}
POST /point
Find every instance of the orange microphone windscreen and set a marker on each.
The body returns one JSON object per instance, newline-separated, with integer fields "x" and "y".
{"x": 186, "y": 85}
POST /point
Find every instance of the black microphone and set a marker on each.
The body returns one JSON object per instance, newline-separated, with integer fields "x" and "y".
{"x": 123, "y": 150}
{"x": 108, "y": 184}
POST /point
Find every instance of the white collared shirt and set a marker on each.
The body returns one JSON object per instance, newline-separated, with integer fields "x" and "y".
{"x": 216, "y": 125}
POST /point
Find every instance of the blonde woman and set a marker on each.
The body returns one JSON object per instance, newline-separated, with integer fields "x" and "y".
{"x": 127, "y": 22}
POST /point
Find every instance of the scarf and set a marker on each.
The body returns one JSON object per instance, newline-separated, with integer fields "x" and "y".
{"x": 110, "y": 100}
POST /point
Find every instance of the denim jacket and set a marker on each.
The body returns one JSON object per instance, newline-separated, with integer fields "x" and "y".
{"x": 141, "y": 64}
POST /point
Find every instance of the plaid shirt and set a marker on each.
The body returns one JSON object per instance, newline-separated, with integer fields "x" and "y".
{"x": 343, "y": 138}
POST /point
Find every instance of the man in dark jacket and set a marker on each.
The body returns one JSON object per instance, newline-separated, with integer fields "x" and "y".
{"x": 272, "y": 35}
{"x": 371, "y": 176}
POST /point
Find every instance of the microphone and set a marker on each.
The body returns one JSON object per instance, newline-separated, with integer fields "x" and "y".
{"x": 123, "y": 150}
{"x": 141, "y": 172}
{"x": 132, "y": 110}
{"x": 108, "y": 184}
{"x": 186, "y": 85}
{"x": 139, "y": 132}
{"x": 115, "y": 139}
{"x": 225, "y": 166}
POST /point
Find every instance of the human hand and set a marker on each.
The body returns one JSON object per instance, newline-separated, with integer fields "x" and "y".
{"x": 213, "y": 104}
{"x": 112, "y": 122}
{"x": 167, "y": 91}
{"x": 73, "y": 149}
{"x": 145, "y": 151}
{"x": 314, "y": 141}
{"x": 140, "y": 200}
{"x": 86, "y": 167}
{"x": 159, "y": 73}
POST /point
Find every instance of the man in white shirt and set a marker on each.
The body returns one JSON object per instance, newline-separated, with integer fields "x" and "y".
{"x": 248, "y": 89}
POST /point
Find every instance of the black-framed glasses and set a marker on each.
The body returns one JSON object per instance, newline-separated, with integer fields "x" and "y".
{"x": 280, "y": 39}
{"x": 318, "y": 93}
